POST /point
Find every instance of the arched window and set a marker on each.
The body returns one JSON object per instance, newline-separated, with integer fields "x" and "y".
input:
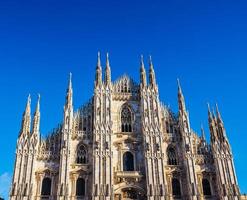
{"x": 81, "y": 155}
{"x": 176, "y": 191}
{"x": 80, "y": 187}
{"x": 126, "y": 120}
{"x": 206, "y": 187}
{"x": 46, "y": 187}
{"x": 128, "y": 161}
{"x": 172, "y": 156}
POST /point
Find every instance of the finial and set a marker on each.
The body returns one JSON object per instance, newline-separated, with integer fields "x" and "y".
{"x": 38, "y": 105}
{"x": 70, "y": 81}
{"x": 70, "y": 76}
{"x": 142, "y": 62}
{"x": 107, "y": 60}
{"x": 150, "y": 61}
{"x": 28, "y": 102}
{"x": 203, "y": 132}
{"x": 38, "y": 102}
{"x": 209, "y": 109}
{"x": 107, "y": 70}
{"x": 98, "y": 60}
{"x": 218, "y": 112}
{"x": 179, "y": 85}
{"x": 29, "y": 98}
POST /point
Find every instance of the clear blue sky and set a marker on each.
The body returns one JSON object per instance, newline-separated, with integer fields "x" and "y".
{"x": 201, "y": 42}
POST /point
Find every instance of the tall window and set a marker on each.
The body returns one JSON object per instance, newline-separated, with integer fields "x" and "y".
{"x": 206, "y": 187}
{"x": 81, "y": 155}
{"x": 128, "y": 161}
{"x": 80, "y": 187}
{"x": 172, "y": 156}
{"x": 126, "y": 120}
{"x": 46, "y": 187}
{"x": 176, "y": 190}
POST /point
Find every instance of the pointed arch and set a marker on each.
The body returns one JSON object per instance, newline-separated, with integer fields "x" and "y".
{"x": 126, "y": 119}
{"x": 81, "y": 154}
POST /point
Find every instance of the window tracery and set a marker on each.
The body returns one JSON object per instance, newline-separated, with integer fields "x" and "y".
{"x": 172, "y": 156}
{"x": 126, "y": 121}
{"x": 81, "y": 155}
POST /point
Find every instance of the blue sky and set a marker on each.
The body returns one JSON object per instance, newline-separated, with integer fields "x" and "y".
{"x": 203, "y": 43}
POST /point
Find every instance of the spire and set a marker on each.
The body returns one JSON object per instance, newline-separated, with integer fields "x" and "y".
{"x": 210, "y": 117}
{"x": 212, "y": 125}
{"x": 220, "y": 123}
{"x": 36, "y": 119}
{"x": 152, "y": 79}
{"x": 143, "y": 73}
{"x": 181, "y": 101}
{"x": 28, "y": 105}
{"x": 37, "y": 111}
{"x": 26, "y": 118}
{"x": 69, "y": 96}
{"x": 107, "y": 71}
{"x": 219, "y": 118}
{"x": 70, "y": 81}
{"x": 98, "y": 60}
{"x": 203, "y": 133}
{"x": 98, "y": 76}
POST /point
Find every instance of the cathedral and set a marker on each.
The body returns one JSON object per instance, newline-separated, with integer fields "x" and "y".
{"x": 123, "y": 144}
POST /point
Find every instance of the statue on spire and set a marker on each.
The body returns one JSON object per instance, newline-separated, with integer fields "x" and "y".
{"x": 218, "y": 115}
{"x": 26, "y": 119}
{"x": 143, "y": 73}
{"x": 69, "y": 96}
{"x": 36, "y": 119}
{"x": 98, "y": 76}
{"x": 152, "y": 79}
{"x": 107, "y": 71}
{"x": 181, "y": 101}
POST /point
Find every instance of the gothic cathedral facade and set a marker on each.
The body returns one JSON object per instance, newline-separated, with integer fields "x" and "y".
{"x": 124, "y": 144}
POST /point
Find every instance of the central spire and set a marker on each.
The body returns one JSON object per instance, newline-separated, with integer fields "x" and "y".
{"x": 69, "y": 96}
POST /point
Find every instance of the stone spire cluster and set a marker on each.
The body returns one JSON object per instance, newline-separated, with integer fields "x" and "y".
{"x": 143, "y": 78}
{"x": 98, "y": 77}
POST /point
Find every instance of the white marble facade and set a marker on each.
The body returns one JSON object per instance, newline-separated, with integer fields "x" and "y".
{"x": 123, "y": 144}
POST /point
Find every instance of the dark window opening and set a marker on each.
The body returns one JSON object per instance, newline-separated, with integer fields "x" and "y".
{"x": 176, "y": 190}
{"x": 128, "y": 161}
{"x": 206, "y": 187}
{"x": 80, "y": 187}
{"x": 46, "y": 187}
